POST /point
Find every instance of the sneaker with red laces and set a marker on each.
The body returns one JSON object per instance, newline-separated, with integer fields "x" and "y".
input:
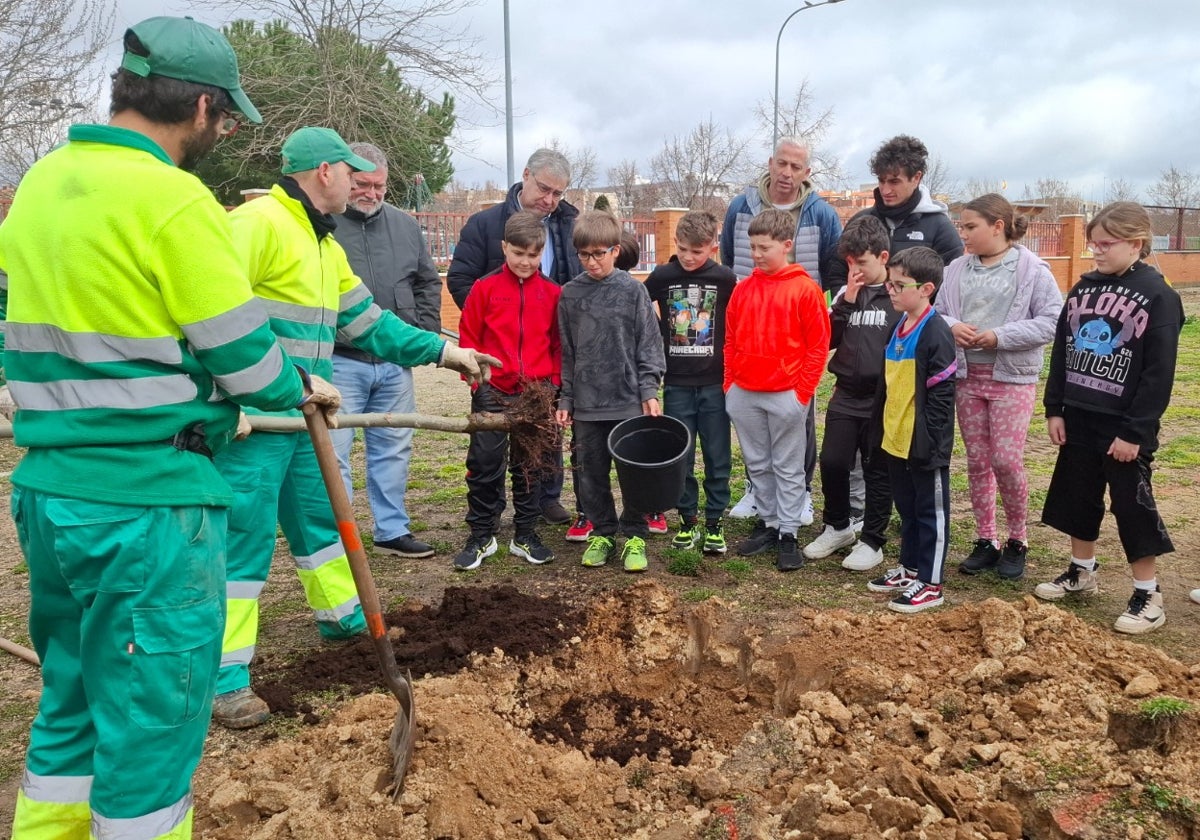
{"x": 893, "y": 581}
{"x": 656, "y": 523}
{"x": 919, "y": 596}
{"x": 580, "y": 529}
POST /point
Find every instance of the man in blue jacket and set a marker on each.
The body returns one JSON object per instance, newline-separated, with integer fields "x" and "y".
{"x": 786, "y": 186}
{"x": 541, "y": 189}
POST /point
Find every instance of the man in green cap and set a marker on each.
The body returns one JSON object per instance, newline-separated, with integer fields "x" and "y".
{"x": 302, "y": 276}
{"x": 132, "y": 336}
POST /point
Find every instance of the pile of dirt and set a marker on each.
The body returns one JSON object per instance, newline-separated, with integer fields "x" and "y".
{"x": 662, "y": 721}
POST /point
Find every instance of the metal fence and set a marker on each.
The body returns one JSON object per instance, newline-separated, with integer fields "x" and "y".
{"x": 442, "y": 231}
{"x": 1175, "y": 228}
{"x": 1044, "y": 239}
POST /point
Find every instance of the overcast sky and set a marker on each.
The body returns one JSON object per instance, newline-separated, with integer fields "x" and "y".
{"x": 1087, "y": 91}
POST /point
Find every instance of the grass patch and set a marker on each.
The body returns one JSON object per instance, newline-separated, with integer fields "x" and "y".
{"x": 699, "y": 594}
{"x": 1163, "y": 708}
{"x": 1183, "y": 453}
{"x": 683, "y": 563}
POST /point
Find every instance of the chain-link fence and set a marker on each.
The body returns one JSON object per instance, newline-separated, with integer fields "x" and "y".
{"x": 1175, "y": 228}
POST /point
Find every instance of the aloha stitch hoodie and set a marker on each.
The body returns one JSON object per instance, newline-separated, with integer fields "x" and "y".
{"x": 777, "y": 333}
{"x": 1115, "y": 350}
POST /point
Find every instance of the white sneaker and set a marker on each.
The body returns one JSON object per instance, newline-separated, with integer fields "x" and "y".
{"x": 806, "y": 512}
{"x": 830, "y": 540}
{"x": 1076, "y": 580}
{"x": 745, "y": 508}
{"x": 1195, "y": 595}
{"x": 863, "y": 558}
{"x": 1144, "y": 613}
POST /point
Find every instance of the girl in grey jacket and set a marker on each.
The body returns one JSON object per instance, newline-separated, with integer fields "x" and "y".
{"x": 1002, "y": 304}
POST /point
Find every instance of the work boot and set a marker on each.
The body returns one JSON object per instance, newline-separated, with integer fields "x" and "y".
{"x": 240, "y": 709}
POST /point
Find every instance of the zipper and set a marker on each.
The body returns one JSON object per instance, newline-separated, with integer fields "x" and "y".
{"x": 520, "y": 329}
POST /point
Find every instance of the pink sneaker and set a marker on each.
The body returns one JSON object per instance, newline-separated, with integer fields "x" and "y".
{"x": 656, "y": 523}
{"x": 580, "y": 529}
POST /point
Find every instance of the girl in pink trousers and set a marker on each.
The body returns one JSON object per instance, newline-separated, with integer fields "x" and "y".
{"x": 1002, "y": 304}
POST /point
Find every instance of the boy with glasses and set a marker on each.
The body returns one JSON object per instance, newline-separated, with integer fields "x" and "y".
{"x": 612, "y": 365}
{"x": 914, "y": 424}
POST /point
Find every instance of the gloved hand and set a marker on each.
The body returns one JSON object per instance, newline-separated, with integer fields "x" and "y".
{"x": 326, "y": 396}
{"x": 7, "y": 407}
{"x": 475, "y": 366}
{"x": 243, "y": 427}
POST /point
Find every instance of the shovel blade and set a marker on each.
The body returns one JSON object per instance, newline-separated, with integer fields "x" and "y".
{"x": 403, "y": 733}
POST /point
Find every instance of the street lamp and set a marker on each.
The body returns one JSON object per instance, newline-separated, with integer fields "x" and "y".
{"x": 807, "y": 5}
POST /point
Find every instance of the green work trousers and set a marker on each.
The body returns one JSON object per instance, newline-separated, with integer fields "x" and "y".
{"x": 126, "y": 611}
{"x": 275, "y": 479}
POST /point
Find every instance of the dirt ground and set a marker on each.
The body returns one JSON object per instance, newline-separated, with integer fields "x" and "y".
{"x": 709, "y": 698}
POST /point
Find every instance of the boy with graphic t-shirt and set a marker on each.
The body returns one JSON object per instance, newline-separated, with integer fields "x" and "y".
{"x": 692, "y": 292}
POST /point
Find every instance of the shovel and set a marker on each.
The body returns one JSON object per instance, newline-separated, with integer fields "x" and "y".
{"x": 403, "y": 731}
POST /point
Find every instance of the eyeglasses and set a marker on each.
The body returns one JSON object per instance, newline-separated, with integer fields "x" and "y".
{"x": 1103, "y": 246}
{"x": 588, "y": 256}
{"x": 893, "y": 286}
{"x": 229, "y": 123}
{"x": 544, "y": 190}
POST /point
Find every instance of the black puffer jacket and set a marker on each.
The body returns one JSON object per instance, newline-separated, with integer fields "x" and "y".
{"x": 478, "y": 250}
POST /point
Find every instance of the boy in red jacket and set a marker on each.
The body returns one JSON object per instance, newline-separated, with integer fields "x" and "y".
{"x": 514, "y": 312}
{"x": 776, "y": 341}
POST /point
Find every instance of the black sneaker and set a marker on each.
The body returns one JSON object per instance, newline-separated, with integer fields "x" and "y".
{"x": 471, "y": 557}
{"x": 983, "y": 556}
{"x": 761, "y": 539}
{"x": 531, "y": 548}
{"x": 1012, "y": 560}
{"x": 405, "y": 546}
{"x": 790, "y": 558}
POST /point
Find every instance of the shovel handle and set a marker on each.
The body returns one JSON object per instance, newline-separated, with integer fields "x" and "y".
{"x": 343, "y": 513}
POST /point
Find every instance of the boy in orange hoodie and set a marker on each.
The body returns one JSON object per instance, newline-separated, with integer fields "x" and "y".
{"x": 776, "y": 342}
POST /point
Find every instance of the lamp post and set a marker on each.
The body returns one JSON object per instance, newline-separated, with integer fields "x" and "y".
{"x": 508, "y": 109}
{"x": 807, "y": 5}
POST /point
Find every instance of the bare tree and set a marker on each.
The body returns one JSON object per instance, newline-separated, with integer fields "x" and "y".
{"x": 623, "y": 180}
{"x": 1176, "y": 188}
{"x": 976, "y": 187}
{"x": 1120, "y": 190}
{"x": 798, "y": 117}
{"x": 1059, "y": 196}
{"x": 583, "y": 171}
{"x": 48, "y": 73}
{"x": 938, "y": 179}
{"x": 701, "y": 169}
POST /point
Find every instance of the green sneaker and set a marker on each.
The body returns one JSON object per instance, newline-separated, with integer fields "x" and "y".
{"x": 687, "y": 535}
{"x": 634, "y": 555}
{"x": 598, "y": 551}
{"x": 714, "y": 538}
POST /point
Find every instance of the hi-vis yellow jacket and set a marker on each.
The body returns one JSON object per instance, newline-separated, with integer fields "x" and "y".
{"x": 129, "y": 320}
{"x": 311, "y": 294}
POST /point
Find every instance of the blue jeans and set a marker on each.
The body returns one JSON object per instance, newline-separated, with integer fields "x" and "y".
{"x": 702, "y": 410}
{"x": 373, "y": 387}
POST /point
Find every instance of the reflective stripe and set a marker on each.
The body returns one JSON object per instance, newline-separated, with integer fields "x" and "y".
{"x": 241, "y": 624}
{"x": 227, "y": 327}
{"x": 352, "y": 296}
{"x": 65, "y": 790}
{"x": 362, "y": 323}
{"x": 329, "y": 587}
{"x": 335, "y": 615}
{"x": 93, "y": 347}
{"x": 298, "y": 313}
{"x": 246, "y": 590}
{"x": 241, "y": 656}
{"x": 314, "y": 561}
{"x": 67, "y": 394}
{"x": 160, "y": 823}
{"x": 256, "y": 377}
{"x": 301, "y": 349}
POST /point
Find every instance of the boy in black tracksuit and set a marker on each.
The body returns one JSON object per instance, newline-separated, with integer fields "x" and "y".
{"x": 692, "y": 292}
{"x": 914, "y": 425}
{"x": 861, "y": 322}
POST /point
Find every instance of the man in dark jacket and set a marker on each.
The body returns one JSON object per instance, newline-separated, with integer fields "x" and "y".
{"x": 477, "y": 253}
{"x": 387, "y": 251}
{"x": 903, "y": 203}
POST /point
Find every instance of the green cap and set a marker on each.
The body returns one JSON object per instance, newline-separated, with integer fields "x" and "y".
{"x": 190, "y": 51}
{"x": 309, "y": 147}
